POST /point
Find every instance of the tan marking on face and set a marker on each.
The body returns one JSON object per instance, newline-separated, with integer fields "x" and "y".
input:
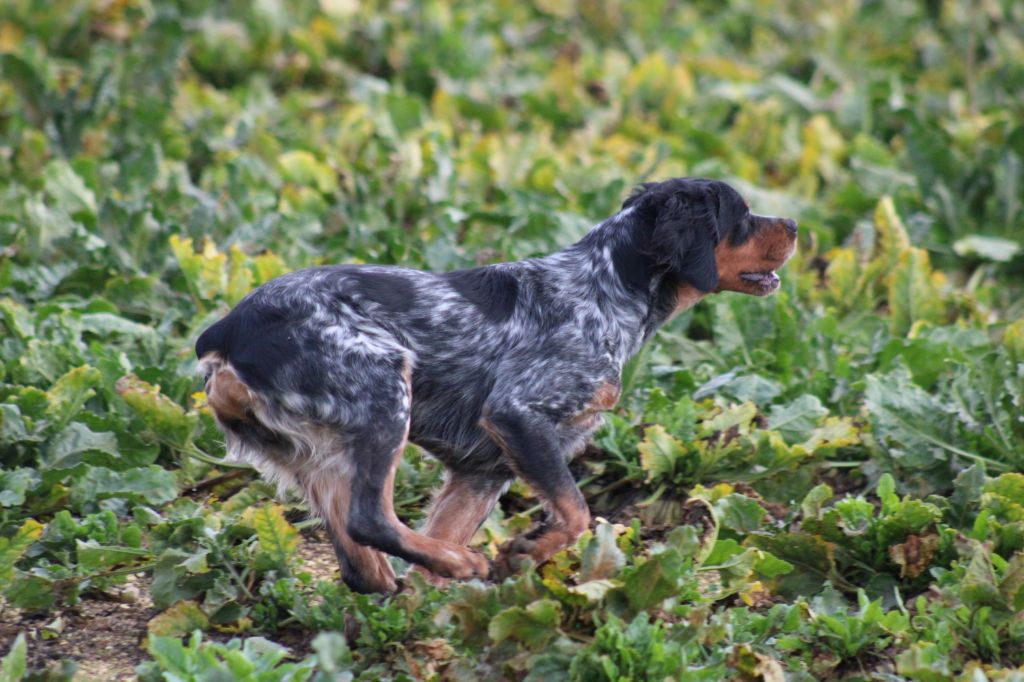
{"x": 686, "y": 297}
{"x": 767, "y": 250}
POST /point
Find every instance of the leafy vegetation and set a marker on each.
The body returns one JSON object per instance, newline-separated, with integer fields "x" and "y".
{"x": 823, "y": 484}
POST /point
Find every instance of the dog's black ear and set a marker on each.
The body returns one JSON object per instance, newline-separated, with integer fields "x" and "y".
{"x": 685, "y": 235}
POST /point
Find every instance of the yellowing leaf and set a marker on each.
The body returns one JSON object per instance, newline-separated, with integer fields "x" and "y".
{"x": 594, "y": 590}
{"x": 11, "y": 549}
{"x": 892, "y": 239}
{"x": 164, "y": 417}
{"x": 204, "y": 272}
{"x": 823, "y": 150}
{"x": 267, "y": 266}
{"x": 659, "y": 452}
{"x": 1013, "y": 340}
{"x": 239, "y": 275}
{"x": 277, "y": 538}
{"x": 179, "y": 620}
{"x": 69, "y": 393}
{"x": 739, "y": 416}
{"x": 843, "y": 280}
{"x": 835, "y": 432}
{"x": 302, "y": 168}
{"x": 913, "y": 293}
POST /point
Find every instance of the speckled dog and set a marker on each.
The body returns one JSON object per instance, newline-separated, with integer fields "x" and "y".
{"x": 320, "y": 377}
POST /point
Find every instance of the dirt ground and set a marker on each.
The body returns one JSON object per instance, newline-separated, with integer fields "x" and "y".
{"x": 105, "y": 636}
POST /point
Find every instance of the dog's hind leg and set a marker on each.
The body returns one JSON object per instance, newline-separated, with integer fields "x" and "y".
{"x": 363, "y": 568}
{"x": 376, "y": 448}
{"x": 372, "y": 520}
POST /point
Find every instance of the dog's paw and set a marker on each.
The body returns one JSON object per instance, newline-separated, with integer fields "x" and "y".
{"x": 513, "y": 555}
{"x": 459, "y": 563}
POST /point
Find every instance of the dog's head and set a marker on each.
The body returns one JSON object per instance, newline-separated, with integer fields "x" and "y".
{"x": 703, "y": 234}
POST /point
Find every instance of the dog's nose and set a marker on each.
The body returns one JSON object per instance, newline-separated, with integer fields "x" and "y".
{"x": 790, "y": 225}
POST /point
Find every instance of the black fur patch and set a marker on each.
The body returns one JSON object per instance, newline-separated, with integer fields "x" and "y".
{"x": 392, "y": 292}
{"x": 491, "y": 290}
{"x": 258, "y": 340}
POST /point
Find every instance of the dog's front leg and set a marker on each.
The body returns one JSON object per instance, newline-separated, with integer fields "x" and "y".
{"x": 531, "y": 445}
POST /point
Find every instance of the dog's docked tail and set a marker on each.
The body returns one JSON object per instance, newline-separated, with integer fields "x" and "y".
{"x": 226, "y": 393}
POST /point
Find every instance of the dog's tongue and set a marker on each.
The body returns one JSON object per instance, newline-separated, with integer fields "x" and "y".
{"x": 762, "y": 278}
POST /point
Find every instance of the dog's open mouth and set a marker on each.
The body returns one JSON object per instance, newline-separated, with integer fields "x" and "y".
{"x": 764, "y": 280}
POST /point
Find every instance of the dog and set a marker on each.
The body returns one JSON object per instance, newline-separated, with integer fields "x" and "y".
{"x": 320, "y": 377}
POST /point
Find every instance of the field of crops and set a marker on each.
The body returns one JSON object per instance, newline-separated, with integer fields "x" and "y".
{"x": 820, "y": 485}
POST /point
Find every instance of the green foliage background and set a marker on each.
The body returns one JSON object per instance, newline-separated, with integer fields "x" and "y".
{"x": 826, "y": 482}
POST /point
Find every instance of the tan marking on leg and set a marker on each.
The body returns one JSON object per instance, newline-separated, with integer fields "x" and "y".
{"x": 487, "y": 425}
{"x": 604, "y": 399}
{"x": 569, "y": 518}
{"x": 444, "y": 557}
{"x": 329, "y": 495}
{"x": 458, "y": 509}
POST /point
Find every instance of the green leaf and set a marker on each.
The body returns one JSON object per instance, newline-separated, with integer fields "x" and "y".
{"x": 150, "y": 485}
{"x": 67, "y": 189}
{"x": 770, "y": 566}
{"x": 740, "y": 513}
{"x": 93, "y": 556}
{"x": 1011, "y": 585}
{"x": 17, "y": 319}
{"x": 66, "y": 448}
{"x": 534, "y": 626}
{"x": 854, "y": 515}
{"x": 925, "y": 662}
{"x": 12, "y": 666}
{"x": 652, "y": 582}
{"x": 812, "y": 558}
{"x": 915, "y": 426}
{"x": 814, "y": 502}
{"x": 14, "y": 483}
{"x": 602, "y": 557}
{"x": 67, "y": 396}
{"x": 989, "y": 248}
{"x": 978, "y": 587}
{"x": 797, "y": 419}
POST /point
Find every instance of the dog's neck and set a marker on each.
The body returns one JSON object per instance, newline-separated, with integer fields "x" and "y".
{"x": 633, "y": 296}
